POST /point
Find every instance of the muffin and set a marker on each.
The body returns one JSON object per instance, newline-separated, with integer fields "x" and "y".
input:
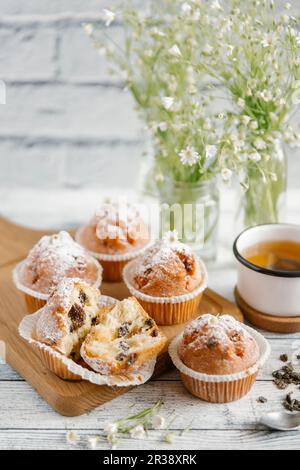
{"x": 80, "y": 334}
{"x": 116, "y": 234}
{"x": 168, "y": 280}
{"x": 218, "y": 357}
{"x": 123, "y": 340}
{"x": 51, "y": 260}
{"x": 68, "y": 316}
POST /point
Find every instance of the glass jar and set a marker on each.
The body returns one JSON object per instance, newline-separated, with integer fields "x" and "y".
{"x": 192, "y": 209}
{"x": 264, "y": 201}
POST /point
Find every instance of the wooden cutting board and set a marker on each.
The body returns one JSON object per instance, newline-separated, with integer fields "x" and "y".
{"x": 67, "y": 398}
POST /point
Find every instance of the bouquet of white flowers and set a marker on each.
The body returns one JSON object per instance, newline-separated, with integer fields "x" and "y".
{"x": 253, "y": 55}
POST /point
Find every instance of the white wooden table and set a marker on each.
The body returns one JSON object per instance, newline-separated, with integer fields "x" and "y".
{"x": 27, "y": 422}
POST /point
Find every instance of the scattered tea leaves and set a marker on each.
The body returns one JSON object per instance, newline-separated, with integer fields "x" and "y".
{"x": 286, "y": 376}
{"x": 291, "y": 404}
{"x": 284, "y": 358}
{"x": 262, "y": 400}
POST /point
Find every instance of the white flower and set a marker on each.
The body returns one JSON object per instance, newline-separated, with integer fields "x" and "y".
{"x": 238, "y": 145}
{"x": 88, "y": 27}
{"x": 273, "y": 117}
{"x": 186, "y": 8}
{"x": 109, "y": 17}
{"x": 171, "y": 236}
{"x": 158, "y": 422}
{"x": 241, "y": 103}
{"x": 266, "y": 95}
{"x": 274, "y": 177}
{"x": 192, "y": 89}
{"x": 207, "y": 126}
{"x": 168, "y": 102}
{"x": 216, "y": 5}
{"x": 288, "y": 6}
{"x": 226, "y": 175}
{"x": 255, "y": 157}
{"x": 253, "y": 125}
{"x": 138, "y": 432}
{"x": 159, "y": 178}
{"x": 245, "y": 119}
{"x": 282, "y": 102}
{"x": 268, "y": 40}
{"x": 162, "y": 126}
{"x": 92, "y": 442}
{"x": 72, "y": 437}
{"x": 228, "y": 50}
{"x": 260, "y": 144}
{"x": 110, "y": 429}
{"x": 175, "y": 51}
{"x": 189, "y": 156}
{"x": 208, "y": 49}
{"x": 169, "y": 437}
{"x": 211, "y": 151}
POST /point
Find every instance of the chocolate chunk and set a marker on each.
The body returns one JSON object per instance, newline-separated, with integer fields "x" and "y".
{"x": 212, "y": 343}
{"x": 131, "y": 359}
{"x": 83, "y": 298}
{"x": 235, "y": 337}
{"x": 124, "y": 346}
{"x": 121, "y": 357}
{"x": 77, "y": 317}
{"x": 149, "y": 323}
{"x": 123, "y": 330}
{"x": 188, "y": 261}
{"x": 155, "y": 333}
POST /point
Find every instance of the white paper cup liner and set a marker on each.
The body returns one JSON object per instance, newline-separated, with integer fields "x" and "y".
{"x": 115, "y": 257}
{"x": 138, "y": 377}
{"x": 130, "y": 270}
{"x": 264, "y": 349}
{"x": 40, "y": 295}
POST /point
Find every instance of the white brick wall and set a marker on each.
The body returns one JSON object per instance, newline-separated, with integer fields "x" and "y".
{"x": 66, "y": 123}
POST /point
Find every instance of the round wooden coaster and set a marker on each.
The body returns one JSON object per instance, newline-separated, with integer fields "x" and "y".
{"x": 268, "y": 322}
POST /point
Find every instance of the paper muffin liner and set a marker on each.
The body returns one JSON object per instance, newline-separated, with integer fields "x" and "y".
{"x": 67, "y": 369}
{"x": 113, "y": 265}
{"x": 167, "y": 310}
{"x": 220, "y": 388}
{"x": 36, "y": 300}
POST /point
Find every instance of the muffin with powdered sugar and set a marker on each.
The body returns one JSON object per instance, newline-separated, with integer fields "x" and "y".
{"x": 168, "y": 280}
{"x": 51, "y": 260}
{"x": 116, "y": 234}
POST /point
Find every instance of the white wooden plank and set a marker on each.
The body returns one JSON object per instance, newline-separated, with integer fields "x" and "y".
{"x": 8, "y": 373}
{"x": 25, "y": 409}
{"x": 192, "y": 440}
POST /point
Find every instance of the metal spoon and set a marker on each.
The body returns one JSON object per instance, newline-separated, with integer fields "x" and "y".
{"x": 281, "y": 421}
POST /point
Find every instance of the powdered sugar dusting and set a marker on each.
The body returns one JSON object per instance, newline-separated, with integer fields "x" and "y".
{"x": 52, "y": 259}
{"x": 118, "y": 221}
{"x": 161, "y": 253}
{"x": 215, "y": 328}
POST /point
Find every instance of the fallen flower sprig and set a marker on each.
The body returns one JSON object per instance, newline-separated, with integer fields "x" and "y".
{"x": 135, "y": 426}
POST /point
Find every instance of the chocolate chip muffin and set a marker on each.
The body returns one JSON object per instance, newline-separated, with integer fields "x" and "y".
{"x": 167, "y": 269}
{"x": 123, "y": 340}
{"x": 218, "y": 346}
{"x": 68, "y": 316}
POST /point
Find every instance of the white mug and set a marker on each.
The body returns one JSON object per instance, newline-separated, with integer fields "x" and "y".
{"x": 271, "y": 292}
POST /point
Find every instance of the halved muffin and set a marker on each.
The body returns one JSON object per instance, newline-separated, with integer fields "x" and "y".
{"x": 68, "y": 316}
{"x": 123, "y": 340}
